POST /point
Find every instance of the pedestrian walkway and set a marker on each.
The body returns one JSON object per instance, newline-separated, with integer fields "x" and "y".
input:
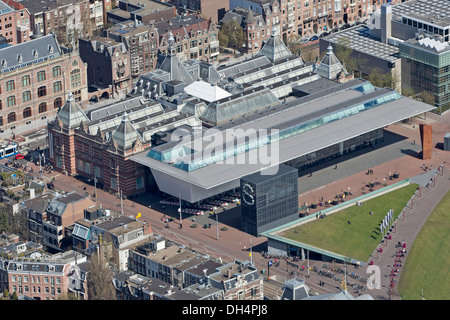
{"x": 405, "y": 229}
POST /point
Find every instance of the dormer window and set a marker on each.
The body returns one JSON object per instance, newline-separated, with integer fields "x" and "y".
{"x": 19, "y": 58}
{"x": 50, "y": 49}
{"x": 35, "y": 53}
{"x": 4, "y": 63}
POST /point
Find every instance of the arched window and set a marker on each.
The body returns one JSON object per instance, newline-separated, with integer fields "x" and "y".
{"x": 11, "y": 101}
{"x": 26, "y": 81}
{"x": 42, "y": 91}
{"x": 57, "y": 86}
{"x": 42, "y": 107}
{"x": 41, "y": 76}
{"x": 11, "y": 117}
{"x": 26, "y": 96}
{"x": 75, "y": 78}
{"x": 56, "y": 71}
{"x": 27, "y": 112}
{"x": 57, "y": 103}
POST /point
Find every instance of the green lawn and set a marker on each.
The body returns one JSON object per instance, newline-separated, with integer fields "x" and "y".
{"x": 360, "y": 238}
{"x": 427, "y": 264}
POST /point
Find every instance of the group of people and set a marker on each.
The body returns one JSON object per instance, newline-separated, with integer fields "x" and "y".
{"x": 398, "y": 262}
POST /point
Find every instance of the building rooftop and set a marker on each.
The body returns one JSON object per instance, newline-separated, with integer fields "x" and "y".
{"x": 4, "y": 8}
{"x": 354, "y": 106}
{"x": 360, "y": 39}
{"x": 38, "y": 6}
{"x": 436, "y": 12}
{"x": 24, "y": 54}
{"x": 148, "y": 6}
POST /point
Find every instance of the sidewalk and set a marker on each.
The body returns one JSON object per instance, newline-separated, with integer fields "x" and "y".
{"x": 406, "y": 228}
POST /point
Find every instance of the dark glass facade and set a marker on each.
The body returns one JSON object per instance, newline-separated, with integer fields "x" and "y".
{"x": 268, "y": 201}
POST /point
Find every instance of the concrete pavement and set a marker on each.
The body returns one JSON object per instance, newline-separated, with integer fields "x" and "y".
{"x": 234, "y": 244}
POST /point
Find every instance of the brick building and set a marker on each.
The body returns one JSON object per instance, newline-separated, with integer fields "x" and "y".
{"x": 194, "y": 37}
{"x": 14, "y": 22}
{"x": 104, "y": 141}
{"x": 69, "y": 19}
{"x": 141, "y": 41}
{"x": 35, "y": 77}
{"x": 257, "y": 27}
{"x": 63, "y": 211}
{"x": 46, "y": 278}
{"x": 309, "y": 17}
{"x": 209, "y": 9}
{"x": 109, "y": 72}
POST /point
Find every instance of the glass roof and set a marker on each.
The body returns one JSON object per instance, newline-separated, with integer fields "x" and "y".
{"x": 185, "y": 158}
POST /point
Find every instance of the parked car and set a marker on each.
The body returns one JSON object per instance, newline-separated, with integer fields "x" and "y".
{"x": 19, "y": 156}
{"x": 324, "y": 34}
{"x": 314, "y": 38}
{"x": 304, "y": 40}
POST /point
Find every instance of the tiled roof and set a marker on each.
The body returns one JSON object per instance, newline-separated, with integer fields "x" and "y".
{"x": 27, "y": 53}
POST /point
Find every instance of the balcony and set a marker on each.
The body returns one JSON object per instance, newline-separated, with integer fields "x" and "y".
{"x": 214, "y": 44}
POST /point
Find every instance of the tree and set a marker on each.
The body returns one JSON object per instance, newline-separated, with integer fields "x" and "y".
{"x": 231, "y": 35}
{"x": 343, "y": 51}
{"x": 14, "y": 296}
{"x": 427, "y": 97}
{"x": 294, "y": 45}
{"x": 408, "y": 91}
{"x": 4, "y": 225}
{"x": 99, "y": 279}
{"x": 5, "y": 293}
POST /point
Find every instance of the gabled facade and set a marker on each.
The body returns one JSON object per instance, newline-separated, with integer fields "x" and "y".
{"x": 194, "y": 37}
{"x": 63, "y": 211}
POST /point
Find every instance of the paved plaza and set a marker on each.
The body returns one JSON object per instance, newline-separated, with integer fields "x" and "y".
{"x": 398, "y": 154}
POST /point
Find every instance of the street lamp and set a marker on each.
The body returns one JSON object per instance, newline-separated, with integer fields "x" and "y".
{"x": 179, "y": 209}
{"x": 95, "y": 188}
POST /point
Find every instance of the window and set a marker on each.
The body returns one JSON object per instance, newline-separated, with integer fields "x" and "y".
{"x": 75, "y": 78}
{"x": 41, "y": 76}
{"x": 56, "y": 71}
{"x": 42, "y": 91}
{"x": 11, "y": 117}
{"x": 11, "y": 101}
{"x": 26, "y": 81}
{"x": 57, "y": 103}
{"x": 57, "y": 86}
{"x": 27, "y": 112}
{"x": 42, "y": 107}
{"x": 26, "y": 96}
{"x": 10, "y": 85}
{"x": 139, "y": 182}
{"x": 114, "y": 183}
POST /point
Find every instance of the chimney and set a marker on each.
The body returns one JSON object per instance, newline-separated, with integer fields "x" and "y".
{"x": 385, "y": 23}
{"x": 206, "y": 278}
{"x": 32, "y": 194}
